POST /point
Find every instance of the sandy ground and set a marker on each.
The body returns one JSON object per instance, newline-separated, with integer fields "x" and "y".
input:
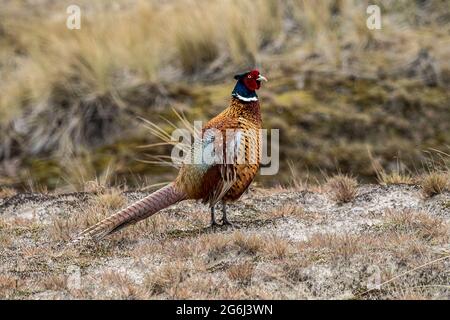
{"x": 388, "y": 243}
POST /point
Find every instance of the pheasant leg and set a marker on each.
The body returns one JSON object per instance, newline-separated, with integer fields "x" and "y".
{"x": 213, "y": 218}
{"x": 225, "y": 221}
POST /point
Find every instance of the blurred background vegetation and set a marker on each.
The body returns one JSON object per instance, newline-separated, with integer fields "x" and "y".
{"x": 345, "y": 98}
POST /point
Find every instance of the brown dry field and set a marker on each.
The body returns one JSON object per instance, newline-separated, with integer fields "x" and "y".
{"x": 288, "y": 244}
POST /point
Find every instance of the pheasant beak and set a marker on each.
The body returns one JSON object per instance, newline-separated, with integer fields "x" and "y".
{"x": 261, "y": 78}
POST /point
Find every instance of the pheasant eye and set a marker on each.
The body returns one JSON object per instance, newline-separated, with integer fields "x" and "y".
{"x": 249, "y": 76}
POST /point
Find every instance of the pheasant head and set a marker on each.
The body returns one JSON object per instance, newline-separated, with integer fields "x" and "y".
{"x": 247, "y": 84}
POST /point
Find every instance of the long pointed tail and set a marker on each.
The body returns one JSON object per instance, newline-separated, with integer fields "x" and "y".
{"x": 139, "y": 210}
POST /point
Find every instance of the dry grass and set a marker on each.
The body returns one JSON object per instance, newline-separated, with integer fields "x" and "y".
{"x": 164, "y": 222}
{"x": 72, "y": 89}
{"x": 214, "y": 244}
{"x": 292, "y": 211}
{"x": 342, "y": 188}
{"x": 125, "y": 288}
{"x": 395, "y": 178}
{"x": 111, "y": 200}
{"x": 8, "y": 284}
{"x": 54, "y": 282}
{"x": 167, "y": 278}
{"x": 241, "y": 272}
{"x": 80, "y": 174}
{"x": 287, "y": 210}
{"x": 137, "y": 41}
{"x": 258, "y": 261}
{"x": 418, "y": 224}
{"x": 250, "y": 244}
{"x": 102, "y": 205}
{"x": 398, "y": 176}
{"x": 406, "y": 234}
{"x": 5, "y": 239}
{"x": 7, "y": 192}
{"x": 434, "y": 183}
{"x": 148, "y": 41}
{"x": 335, "y": 246}
{"x": 276, "y": 247}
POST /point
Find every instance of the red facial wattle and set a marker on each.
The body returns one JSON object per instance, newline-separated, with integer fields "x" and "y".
{"x": 252, "y": 84}
{"x": 251, "y": 81}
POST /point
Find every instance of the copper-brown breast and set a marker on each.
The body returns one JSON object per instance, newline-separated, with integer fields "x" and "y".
{"x": 246, "y": 172}
{"x": 245, "y": 117}
{"x": 207, "y": 185}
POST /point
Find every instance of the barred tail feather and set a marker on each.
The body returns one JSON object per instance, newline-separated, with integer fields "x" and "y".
{"x": 139, "y": 210}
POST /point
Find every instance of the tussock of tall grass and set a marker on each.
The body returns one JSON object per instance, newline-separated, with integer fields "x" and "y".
{"x": 65, "y": 74}
{"x": 7, "y": 192}
{"x": 116, "y": 48}
{"x": 342, "y": 188}
{"x": 394, "y": 178}
{"x": 435, "y": 183}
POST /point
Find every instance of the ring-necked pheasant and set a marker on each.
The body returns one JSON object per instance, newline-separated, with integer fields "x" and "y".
{"x": 215, "y": 181}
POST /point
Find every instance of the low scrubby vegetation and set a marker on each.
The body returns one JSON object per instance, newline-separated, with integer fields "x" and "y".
{"x": 391, "y": 243}
{"x": 342, "y": 188}
{"x": 435, "y": 183}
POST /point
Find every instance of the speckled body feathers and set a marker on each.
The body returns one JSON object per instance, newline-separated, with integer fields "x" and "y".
{"x": 227, "y": 181}
{"x": 222, "y": 180}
